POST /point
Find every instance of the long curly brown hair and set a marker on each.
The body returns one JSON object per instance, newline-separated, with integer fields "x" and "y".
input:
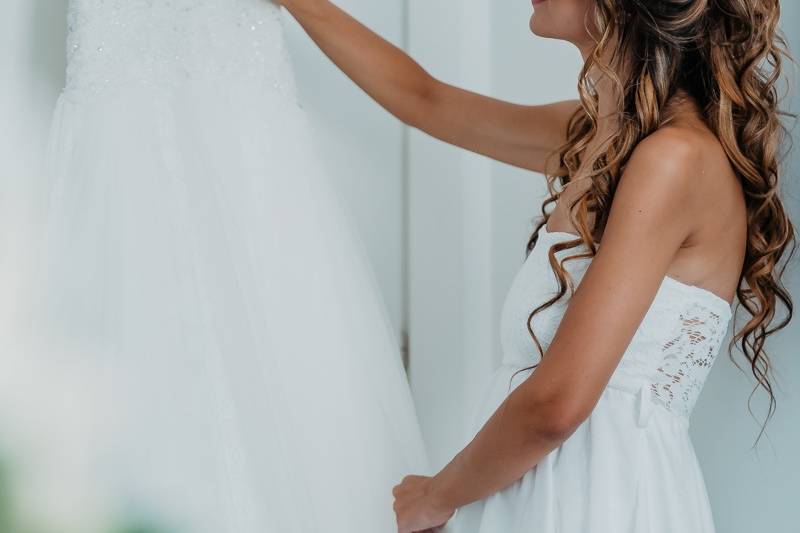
{"x": 727, "y": 55}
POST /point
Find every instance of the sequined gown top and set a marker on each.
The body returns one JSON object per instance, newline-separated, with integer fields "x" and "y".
{"x": 163, "y": 44}
{"x": 203, "y": 346}
{"x": 630, "y": 467}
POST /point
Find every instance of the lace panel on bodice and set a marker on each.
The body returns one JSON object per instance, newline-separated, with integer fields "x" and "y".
{"x": 687, "y": 356}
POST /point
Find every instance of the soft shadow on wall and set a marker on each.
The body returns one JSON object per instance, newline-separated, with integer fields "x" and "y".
{"x": 45, "y": 57}
{"x": 32, "y": 60}
{"x": 47, "y": 41}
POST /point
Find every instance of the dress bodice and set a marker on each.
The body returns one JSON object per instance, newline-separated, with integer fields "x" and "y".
{"x": 670, "y": 354}
{"x": 125, "y": 43}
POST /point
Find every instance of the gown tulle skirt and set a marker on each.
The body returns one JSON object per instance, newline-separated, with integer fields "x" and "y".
{"x": 203, "y": 347}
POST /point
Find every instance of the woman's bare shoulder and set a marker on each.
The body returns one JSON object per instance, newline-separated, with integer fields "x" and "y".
{"x": 714, "y": 202}
{"x": 696, "y": 149}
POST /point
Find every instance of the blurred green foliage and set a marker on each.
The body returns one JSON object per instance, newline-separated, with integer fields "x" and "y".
{"x": 10, "y": 522}
{"x": 138, "y": 528}
{"x": 6, "y": 515}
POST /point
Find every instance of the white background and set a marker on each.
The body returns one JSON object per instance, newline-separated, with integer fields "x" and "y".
{"x": 468, "y": 220}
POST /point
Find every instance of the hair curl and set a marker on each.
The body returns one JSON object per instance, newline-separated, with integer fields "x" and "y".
{"x": 727, "y": 55}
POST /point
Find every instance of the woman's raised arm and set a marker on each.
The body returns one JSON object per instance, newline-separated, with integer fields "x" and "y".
{"x": 520, "y": 135}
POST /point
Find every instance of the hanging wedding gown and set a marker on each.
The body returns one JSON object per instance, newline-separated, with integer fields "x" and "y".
{"x": 631, "y": 466}
{"x": 204, "y": 349}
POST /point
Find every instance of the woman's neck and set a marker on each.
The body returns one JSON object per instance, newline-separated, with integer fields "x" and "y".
{"x": 609, "y": 95}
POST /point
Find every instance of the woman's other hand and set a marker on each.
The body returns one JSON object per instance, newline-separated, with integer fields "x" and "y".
{"x": 416, "y": 508}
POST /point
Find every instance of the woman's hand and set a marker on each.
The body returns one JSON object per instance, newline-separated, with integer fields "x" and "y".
{"x": 415, "y": 506}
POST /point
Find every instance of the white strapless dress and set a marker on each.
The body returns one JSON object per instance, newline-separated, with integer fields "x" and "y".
{"x": 203, "y": 347}
{"x": 630, "y": 467}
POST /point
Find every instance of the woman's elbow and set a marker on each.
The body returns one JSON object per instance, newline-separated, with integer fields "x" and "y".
{"x": 421, "y": 104}
{"x": 555, "y": 419}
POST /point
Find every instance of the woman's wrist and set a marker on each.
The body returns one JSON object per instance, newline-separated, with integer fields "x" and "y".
{"x": 437, "y": 498}
{"x": 440, "y": 495}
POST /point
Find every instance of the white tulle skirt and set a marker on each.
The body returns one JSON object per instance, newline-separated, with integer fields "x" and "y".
{"x": 203, "y": 347}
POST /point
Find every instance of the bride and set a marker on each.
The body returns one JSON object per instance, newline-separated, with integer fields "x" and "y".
{"x": 203, "y": 347}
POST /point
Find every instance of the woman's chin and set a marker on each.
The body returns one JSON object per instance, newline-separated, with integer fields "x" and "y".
{"x": 534, "y": 26}
{"x": 541, "y": 27}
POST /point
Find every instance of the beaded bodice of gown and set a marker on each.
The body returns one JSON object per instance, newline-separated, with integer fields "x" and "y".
{"x": 163, "y": 43}
{"x": 671, "y": 353}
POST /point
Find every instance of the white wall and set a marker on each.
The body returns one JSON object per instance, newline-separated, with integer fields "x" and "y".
{"x": 449, "y": 231}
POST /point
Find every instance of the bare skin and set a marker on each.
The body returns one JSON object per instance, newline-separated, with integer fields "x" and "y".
{"x": 678, "y": 211}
